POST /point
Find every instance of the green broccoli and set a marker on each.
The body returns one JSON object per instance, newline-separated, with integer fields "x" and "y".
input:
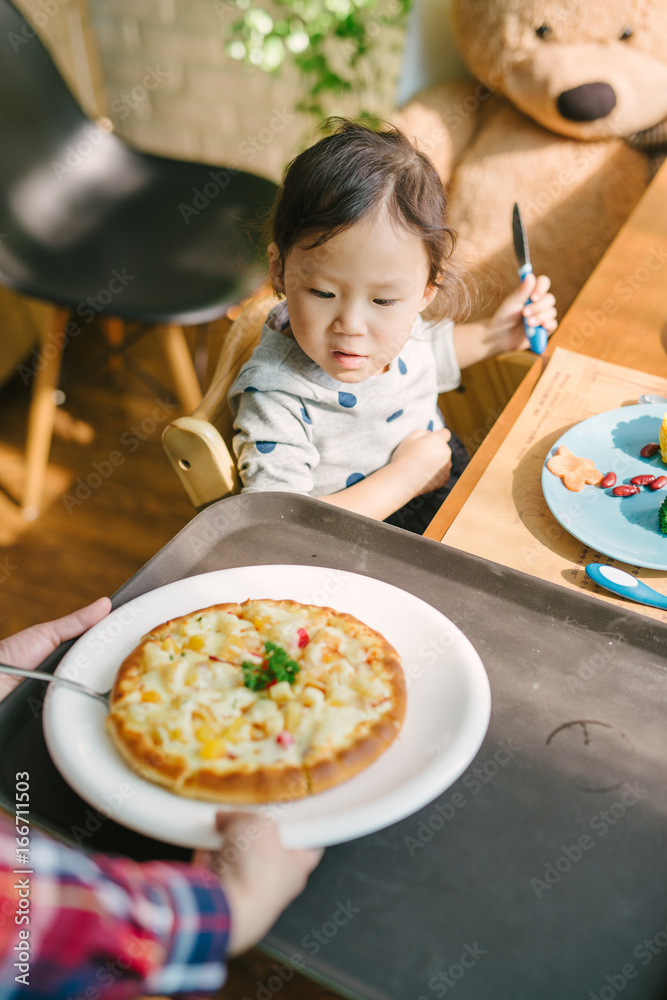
{"x": 662, "y": 516}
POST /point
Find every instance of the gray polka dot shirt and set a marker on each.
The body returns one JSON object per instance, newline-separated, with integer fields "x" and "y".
{"x": 301, "y": 430}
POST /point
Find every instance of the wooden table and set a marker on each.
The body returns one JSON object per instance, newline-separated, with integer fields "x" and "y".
{"x": 619, "y": 316}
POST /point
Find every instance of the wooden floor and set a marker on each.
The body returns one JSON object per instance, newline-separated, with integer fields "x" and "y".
{"x": 112, "y": 502}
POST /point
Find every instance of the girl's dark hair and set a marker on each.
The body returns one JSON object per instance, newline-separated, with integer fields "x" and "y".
{"x": 352, "y": 171}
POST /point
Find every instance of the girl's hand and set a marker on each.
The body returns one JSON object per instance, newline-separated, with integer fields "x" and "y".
{"x": 426, "y": 458}
{"x": 506, "y": 325}
{"x": 260, "y": 877}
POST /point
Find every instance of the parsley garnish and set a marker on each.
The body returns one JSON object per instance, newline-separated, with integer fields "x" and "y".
{"x": 276, "y": 666}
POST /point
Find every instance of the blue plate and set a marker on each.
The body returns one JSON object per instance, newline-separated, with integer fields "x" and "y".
{"x": 624, "y": 528}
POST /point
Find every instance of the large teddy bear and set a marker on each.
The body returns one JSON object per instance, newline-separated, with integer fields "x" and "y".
{"x": 560, "y": 116}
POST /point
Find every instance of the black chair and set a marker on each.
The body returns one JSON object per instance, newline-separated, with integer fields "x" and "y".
{"x": 100, "y": 229}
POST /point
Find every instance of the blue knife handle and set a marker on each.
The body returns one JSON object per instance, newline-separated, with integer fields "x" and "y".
{"x": 537, "y": 335}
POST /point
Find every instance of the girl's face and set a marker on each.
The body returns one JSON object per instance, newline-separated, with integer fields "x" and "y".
{"x": 353, "y": 301}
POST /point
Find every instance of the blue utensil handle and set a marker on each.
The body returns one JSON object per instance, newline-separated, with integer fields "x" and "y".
{"x": 622, "y": 583}
{"x": 537, "y": 335}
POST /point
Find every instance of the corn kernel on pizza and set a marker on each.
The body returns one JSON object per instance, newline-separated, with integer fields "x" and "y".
{"x": 255, "y": 702}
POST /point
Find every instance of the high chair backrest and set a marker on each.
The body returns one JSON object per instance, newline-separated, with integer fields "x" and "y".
{"x": 200, "y": 447}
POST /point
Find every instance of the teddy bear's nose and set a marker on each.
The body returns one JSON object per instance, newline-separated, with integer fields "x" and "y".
{"x": 587, "y": 103}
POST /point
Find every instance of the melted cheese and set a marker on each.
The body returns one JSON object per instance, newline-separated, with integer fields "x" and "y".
{"x": 190, "y": 698}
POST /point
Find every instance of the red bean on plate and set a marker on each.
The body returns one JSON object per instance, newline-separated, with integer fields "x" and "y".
{"x": 608, "y": 480}
{"x": 649, "y": 449}
{"x": 625, "y": 491}
{"x": 659, "y": 483}
{"x": 642, "y": 480}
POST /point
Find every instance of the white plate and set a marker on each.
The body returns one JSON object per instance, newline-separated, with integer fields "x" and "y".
{"x": 449, "y": 705}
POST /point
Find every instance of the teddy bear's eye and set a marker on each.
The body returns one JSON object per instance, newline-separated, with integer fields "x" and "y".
{"x": 626, "y": 33}
{"x": 544, "y": 32}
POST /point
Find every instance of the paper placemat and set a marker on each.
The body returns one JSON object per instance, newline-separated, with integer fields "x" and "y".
{"x": 506, "y": 517}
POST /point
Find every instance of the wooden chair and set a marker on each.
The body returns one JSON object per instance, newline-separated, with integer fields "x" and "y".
{"x": 107, "y": 233}
{"x": 199, "y": 446}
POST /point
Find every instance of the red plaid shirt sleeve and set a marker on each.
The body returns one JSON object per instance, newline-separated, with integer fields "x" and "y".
{"x": 105, "y": 928}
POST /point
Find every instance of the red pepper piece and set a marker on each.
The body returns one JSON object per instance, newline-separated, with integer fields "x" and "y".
{"x": 285, "y": 739}
{"x": 303, "y": 638}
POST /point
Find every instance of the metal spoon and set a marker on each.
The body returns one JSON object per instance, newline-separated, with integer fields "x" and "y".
{"x": 54, "y": 679}
{"x": 620, "y": 582}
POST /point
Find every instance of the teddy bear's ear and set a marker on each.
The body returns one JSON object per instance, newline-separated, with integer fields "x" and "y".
{"x": 431, "y": 54}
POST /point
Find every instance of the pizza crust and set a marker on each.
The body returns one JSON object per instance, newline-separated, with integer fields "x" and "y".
{"x": 182, "y": 717}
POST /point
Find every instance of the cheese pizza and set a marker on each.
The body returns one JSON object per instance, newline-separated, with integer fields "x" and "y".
{"x": 257, "y": 702}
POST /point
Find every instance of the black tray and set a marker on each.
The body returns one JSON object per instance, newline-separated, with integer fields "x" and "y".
{"x": 542, "y": 872}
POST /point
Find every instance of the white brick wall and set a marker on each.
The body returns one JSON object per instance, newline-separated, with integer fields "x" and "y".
{"x": 159, "y": 70}
{"x": 207, "y": 107}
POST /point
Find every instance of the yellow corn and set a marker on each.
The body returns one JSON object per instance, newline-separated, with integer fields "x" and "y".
{"x": 151, "y": 696}
{"x": 237, "y": 730}
{"x": 196, "y": 642}
{"x": 212, "y": 749}
{"x": 204, "y": 733}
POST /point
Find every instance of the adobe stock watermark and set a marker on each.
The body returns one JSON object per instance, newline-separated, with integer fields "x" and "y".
{"x": 644, "y": 952}
{"x": 473, "y": 440}
{"x": 600, "y": 824}
{"x": 40, "y": 15}
{"x": 90, "y": 646}
{"x": 428, "y": 655}
{"x": 625, "y": 288}
{"x": 475, "y": 779}
{"x": 586, "y": 159}
{"x": 94, "y": 819}
{"x": 76, "y": 152}
{"x": 585, "y": 671}
{"x": 446, "y": 979}
{"x": 278, "y": 977}
{"x": 318, "y": 937}
{"x": 128, "y": 101}
{"x": 85, "y": 485}
{"x": 6, "y": 569}
{"x": 22, "y": 886}
{"x": 247, "y": 150}
{"x": 86, "y": 310}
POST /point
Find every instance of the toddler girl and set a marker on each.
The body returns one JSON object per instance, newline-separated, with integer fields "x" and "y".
{"x": 340, "y": 398}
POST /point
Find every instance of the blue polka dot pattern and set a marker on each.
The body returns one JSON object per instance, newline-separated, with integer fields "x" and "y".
{"x": 402, "y": 367}
{"x": 265, "y": 446}
{"x": 306, "y": 418}
{"x": 347, "y": 399}
{"x": 250, "y": 388}
{"x": 430, "y": 426}
{"x": 394, "y": 416}
{"x": 354, "y": 477}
